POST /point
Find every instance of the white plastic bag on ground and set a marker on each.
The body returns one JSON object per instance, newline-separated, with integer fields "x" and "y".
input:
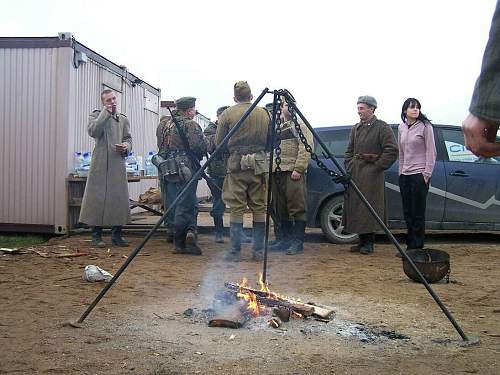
{"x": 93, "y": 273}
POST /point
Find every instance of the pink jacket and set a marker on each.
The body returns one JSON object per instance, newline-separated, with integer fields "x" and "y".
{"x": 417, "y": 150}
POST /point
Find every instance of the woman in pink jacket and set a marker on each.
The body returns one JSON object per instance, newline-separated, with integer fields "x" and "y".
{"x": 417, "y": 156}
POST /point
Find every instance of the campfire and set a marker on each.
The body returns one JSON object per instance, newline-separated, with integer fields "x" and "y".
{"x": 239, "y": 303}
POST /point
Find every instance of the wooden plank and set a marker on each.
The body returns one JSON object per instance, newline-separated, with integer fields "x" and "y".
{"x": 321, "y": 312}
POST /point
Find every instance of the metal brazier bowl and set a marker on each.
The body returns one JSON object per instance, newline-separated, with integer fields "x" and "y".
{"x": 433, "y": 264}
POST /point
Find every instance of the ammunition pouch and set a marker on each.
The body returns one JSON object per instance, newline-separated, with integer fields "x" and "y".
{"x": 185, "y": 173}
{"x": 257, "y": 162}
{"x": 217, "y": 168}
{"x": 167, "y": 168}
{"x": 174, "y": 168}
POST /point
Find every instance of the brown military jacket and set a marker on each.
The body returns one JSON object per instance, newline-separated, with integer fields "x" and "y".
{"x": 294, "y": 156}
{"x": 376, "y": 137}
{"x": 169, "y": 139}
{"x": 251, "y": 137}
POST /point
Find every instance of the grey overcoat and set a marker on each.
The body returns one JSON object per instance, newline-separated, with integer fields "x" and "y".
{"x": 106, "y": 199}
{"x": 378, "y": 139}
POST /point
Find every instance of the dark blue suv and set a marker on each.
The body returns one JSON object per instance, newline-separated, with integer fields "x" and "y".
{"x": 464, "y": 193}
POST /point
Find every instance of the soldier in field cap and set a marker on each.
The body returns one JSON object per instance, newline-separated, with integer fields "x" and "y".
{"x": 172, "y": 147}
{"x": 372, "y": 148}
{"x": 245, "y": 182}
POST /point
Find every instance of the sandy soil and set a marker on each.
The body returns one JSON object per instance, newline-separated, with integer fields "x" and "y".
{"x": 140, "y": 327}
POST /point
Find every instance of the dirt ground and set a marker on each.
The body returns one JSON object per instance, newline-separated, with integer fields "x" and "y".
{"x": 383, "y": 324}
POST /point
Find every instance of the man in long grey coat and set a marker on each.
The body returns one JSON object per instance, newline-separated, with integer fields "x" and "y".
{"x": 371, "y": 150}
{"x": 106, "y": 200}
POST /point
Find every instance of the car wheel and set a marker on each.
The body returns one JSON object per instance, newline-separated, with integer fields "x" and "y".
{"x": 331, "y": 221}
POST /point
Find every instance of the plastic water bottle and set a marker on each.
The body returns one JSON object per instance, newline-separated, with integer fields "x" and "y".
{"x": 140, "y": 165}
{"x": 85, "y": 165}
{"x": 131, "y": 164}
{"x": 77, "y": 162}
{"x": 150, "y": 167}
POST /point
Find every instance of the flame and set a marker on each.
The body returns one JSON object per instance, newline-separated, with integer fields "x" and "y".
{"x": 264, "y": 287}
{"x": 249, "y": 297}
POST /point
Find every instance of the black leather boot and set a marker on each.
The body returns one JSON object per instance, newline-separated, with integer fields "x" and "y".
{"x": 179, "y": 242}
{"x": 258, "y": 241}
{"x": 116, "y": 237}
{"x": 367, "y": 246}
{"x": 286, "y": 234}
{"x": 234, "y": 254}
{"x": 297, "y": 242}
{"x": 97, "y": 237}
{"x": 219, "y": 229}
{"x": 192, "y": 247}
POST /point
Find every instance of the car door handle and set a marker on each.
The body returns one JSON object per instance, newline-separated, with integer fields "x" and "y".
{"x": 459, "y": 174}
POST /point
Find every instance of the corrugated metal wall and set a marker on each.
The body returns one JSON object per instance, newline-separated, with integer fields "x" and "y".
{"x": 143, "y": 124}
{"x": 89, "y": 79}
{"x": 28, "y": 105}
{"x": 44, "y": 108}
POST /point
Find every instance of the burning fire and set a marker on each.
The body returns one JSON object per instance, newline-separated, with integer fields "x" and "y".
{"x": 252, "y": 303}
{"x": 249, "y": 297}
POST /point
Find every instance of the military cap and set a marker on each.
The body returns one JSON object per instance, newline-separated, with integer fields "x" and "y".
{"x": 185, "y": 102}
{"x": 221, "y": 109}
{"x": 366, "y": 99}
{"x": 242, "y": 89}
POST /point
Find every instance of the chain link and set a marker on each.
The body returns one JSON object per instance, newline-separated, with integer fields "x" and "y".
{"x": 337, "y": 178}
{"x": 277, "y": 139}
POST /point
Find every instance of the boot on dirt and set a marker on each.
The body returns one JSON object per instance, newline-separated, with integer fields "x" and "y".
{"x": 355, "y": 248}
{"x": 297, "y": 242}
{"x": 116, "y": 237}
{"x": 179, "y": 240}
{"x": 278, "y": 233}
{"x": 286, "y": 233}
{"x": 234, "y": 254}
{"x": 192, "y": 247}
{"x": 219, "y": 229}
{"x": 367, "y": 246}
{"x": 258, "y": 241}
{"x": 97, "y": 237}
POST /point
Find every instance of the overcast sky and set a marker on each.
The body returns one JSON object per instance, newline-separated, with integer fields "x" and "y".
{"x": 326, "y": 53}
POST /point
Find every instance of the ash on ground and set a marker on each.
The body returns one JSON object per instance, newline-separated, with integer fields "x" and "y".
{"x": 307, "y": 327}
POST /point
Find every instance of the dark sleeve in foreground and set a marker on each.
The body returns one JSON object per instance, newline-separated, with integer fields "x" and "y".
{"x": 485, "y": 101}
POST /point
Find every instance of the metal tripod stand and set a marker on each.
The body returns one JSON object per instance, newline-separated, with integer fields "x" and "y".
{"x": 336, "y": 177}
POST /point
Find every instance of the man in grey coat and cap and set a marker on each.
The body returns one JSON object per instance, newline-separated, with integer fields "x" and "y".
{"x": 371, "y": 150}
{"x": 106, "y": 200}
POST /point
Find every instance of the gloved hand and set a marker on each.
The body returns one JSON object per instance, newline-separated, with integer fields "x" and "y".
{"x": 370, "y": 158}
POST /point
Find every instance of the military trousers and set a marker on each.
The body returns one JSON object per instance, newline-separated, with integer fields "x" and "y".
{"x": 185, "y": 213}
{"x": 218, "y": 206}
{"x": 169, "y": 220}
{"x": 289, "y": 197}
{"x": 242, "y": 189}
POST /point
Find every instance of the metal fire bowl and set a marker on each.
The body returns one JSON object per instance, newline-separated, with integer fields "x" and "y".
{"x": 433, "y": 264}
